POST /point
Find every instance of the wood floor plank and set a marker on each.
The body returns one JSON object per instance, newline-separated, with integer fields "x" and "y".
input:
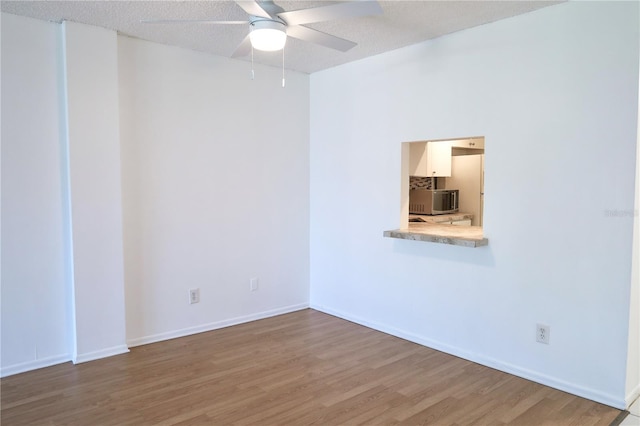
{"x": 301, "y": 368}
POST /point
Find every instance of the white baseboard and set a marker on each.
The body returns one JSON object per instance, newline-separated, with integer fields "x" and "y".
{"x": 214, "y": 325}
{"x": 632, "y": 396}
{"x": 103, "y": 353}
{"x": 34, "y": 365}
{"x": 574, "y": 389}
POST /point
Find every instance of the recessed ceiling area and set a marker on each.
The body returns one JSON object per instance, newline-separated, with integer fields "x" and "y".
{"x": 403, "y": 23}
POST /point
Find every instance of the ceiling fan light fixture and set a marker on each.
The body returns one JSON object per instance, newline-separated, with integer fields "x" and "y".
{"x": 268, "y": 35}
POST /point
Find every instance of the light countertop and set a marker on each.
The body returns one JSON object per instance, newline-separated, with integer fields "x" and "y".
{"x": 441, "y": 217}
{"x": 465, "y": 236}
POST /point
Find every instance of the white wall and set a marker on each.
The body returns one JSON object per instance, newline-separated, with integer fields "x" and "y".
{"x": 91, "y": 95}
{"x": 555, "y": 93}
{"x": 215, "y": 190}
{"x": 179, "y": 172}
{"x": 35, "y": 290}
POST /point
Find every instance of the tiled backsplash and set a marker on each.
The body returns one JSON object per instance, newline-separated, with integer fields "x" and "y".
{"x": 419, "y": 182}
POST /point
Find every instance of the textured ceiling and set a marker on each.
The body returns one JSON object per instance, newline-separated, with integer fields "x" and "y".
{"x": 403, "y": 23}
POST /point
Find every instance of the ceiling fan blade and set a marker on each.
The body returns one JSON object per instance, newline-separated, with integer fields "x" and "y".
{"x": 351, "y": 9}
{"x": 318, "y": 37}
{"x": 243, "y": 49}
{"x": 253, "y": 8}
{"x": 188, "y": 21}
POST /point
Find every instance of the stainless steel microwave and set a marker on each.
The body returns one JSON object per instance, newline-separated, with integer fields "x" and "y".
{"x": 436, "y": 201}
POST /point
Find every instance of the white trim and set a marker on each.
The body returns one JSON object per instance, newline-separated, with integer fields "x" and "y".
{"x": 103, "y": 353}
{"x": 214, "y": 325}
{"x": 65, "y": 169}
{"x": 574, "y": 389}
{"x": 34, "y": 365}
{"x": 631, "y": 397}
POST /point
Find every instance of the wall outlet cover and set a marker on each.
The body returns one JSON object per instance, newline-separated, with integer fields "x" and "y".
{"x": 543, "y": 333}
{"x": 194, "y": 296}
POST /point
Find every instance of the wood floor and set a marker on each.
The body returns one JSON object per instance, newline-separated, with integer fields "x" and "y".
{"x": 296, "y": 369}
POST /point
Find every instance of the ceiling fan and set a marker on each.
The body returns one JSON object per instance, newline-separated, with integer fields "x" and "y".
{"x": 270, "y": 24}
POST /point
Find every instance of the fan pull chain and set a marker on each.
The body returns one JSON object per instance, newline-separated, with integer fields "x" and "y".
{"x": 253, "y": 75}
{"x": 283, "y": 67}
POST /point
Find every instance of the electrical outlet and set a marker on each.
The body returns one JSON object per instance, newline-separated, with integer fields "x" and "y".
{"x": 543, "y": 332}
{"x": 253, "y": 284}
{"x": 194, "y": 296}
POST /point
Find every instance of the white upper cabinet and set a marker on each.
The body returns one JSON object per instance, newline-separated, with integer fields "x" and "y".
{"x": 439, "y": 159}
{"x": 474, "y": 143}
{"x": 418, "y": 159}
{"x": 430, "y": 159}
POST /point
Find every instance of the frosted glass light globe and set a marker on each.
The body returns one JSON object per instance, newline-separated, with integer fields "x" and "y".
{"x": 268, "y": 35}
